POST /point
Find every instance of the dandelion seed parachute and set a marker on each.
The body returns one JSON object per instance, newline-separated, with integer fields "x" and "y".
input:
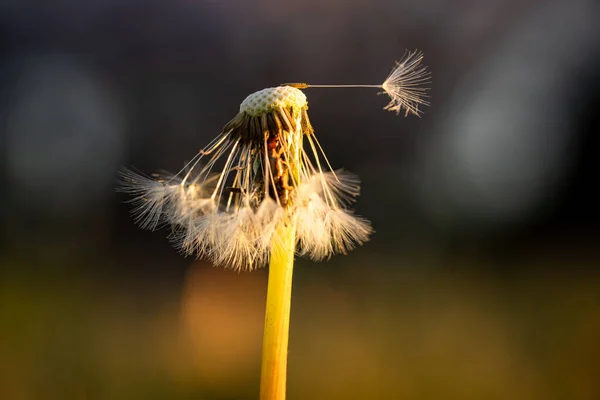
{"x": 405, "y": 85}
{"x": 272, "y": 172}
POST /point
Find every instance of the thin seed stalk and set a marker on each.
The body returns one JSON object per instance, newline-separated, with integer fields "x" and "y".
{"x": 277, "y": 318}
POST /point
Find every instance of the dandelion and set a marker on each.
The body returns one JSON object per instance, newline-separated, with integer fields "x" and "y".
{"x": 262, "y": 191}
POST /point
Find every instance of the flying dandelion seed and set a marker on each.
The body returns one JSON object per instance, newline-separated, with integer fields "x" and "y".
{"x": 274, "y": 172}
{"x": 404, "y": 85}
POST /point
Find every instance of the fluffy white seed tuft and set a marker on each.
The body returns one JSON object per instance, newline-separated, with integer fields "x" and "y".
{"x": 405, "y": 83}
{"x": 324, "y": 225}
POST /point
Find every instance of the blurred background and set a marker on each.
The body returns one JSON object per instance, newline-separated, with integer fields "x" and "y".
{"x": 481, "y": 282}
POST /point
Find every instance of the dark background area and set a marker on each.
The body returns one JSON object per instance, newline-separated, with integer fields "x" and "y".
{"x": 482, "y": 280}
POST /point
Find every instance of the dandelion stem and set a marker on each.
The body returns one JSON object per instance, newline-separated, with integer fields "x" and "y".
{"x": 277, "y": 318}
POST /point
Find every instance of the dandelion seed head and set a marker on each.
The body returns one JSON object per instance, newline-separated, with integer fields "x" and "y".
{"x": 272, "y": 172}
{"x": 266, "y": 170}
{"x": 268, "y": 99}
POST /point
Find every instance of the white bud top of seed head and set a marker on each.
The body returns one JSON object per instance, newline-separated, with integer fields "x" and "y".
{"x": 272, "y": 98}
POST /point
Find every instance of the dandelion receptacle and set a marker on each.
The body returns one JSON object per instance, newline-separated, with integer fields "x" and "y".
{"x": 262, "y": 192}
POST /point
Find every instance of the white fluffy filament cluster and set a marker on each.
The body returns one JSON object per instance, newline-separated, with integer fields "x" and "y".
{"x": 267, "y": 178}
{"x": 405, "y": 84}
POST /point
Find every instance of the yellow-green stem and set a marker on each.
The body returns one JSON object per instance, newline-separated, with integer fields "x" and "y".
{"x": 277, "y": 318}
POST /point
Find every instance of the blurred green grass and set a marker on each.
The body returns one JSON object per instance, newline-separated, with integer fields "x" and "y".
{"x": 380, "y": 333}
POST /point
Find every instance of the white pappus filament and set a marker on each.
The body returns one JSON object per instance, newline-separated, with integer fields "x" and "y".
{"x": 265, "y": 169}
